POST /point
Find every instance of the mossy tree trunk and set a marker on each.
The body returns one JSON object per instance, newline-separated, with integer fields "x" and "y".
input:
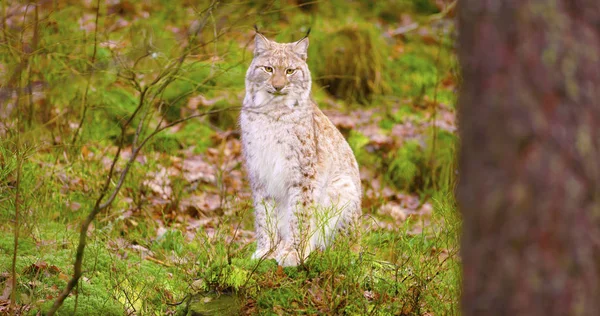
{"x": 529, "y": 189}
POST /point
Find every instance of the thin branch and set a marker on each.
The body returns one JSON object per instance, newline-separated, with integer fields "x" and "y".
{"x": 413, "y": 26}
{"x": 35, "y": 41}
{"x": 433, "y": 118}
{"x": 449, "y": 8}
{"x": 89, "y": 79}
{"x": 404, "y": 29}
{"x": 77, "y": 272}
{"x": 158, "y": 130}
{"x": 16, "y": 224}
{"x": 11, "y": 50}
{"x": 99, "y": 206}
{"x": 19, "y": 157}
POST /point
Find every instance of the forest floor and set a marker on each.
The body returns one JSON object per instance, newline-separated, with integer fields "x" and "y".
{"x": 91, "y": 95}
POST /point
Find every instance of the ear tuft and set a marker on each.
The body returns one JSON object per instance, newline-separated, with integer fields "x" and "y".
{"x": 261, "y": 44}
{"x": 301, "y": 48}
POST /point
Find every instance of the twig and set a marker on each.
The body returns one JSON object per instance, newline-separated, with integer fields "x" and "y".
{"x": 185, "y": 298}
{"x": 413, "y": 26}
{"x": 16, "y": 224}
{"x": 19, "y": 157}
{"x": 89, "y": 79}
{"x": 29, "y": 85}
{"x": 444, "y": 12}
{"x": 405, "y": 29}
{"x": 99, "y": 206}
{"x": 157, "y": 261}
{"x": 433, "y": 118}
{"x": 216, "y": 52}
{"x": 5, "y": 33}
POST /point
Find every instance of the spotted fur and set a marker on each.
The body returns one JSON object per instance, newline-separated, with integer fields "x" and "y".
{"x": 304, "y": 177}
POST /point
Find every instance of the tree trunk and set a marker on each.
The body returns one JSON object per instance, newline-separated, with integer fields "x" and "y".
{"x": 529, "y": 187}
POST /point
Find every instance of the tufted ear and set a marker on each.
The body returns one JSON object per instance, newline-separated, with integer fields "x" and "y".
{"x": 301, "y": 48}
{"x": 261, "y": 44}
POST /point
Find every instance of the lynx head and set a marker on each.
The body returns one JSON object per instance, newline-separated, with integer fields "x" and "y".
{"x": 278, "y": 72}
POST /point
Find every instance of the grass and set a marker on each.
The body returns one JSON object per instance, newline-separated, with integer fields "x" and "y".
{"x": 351, "y": 62}
{"x": 179, "y": 232}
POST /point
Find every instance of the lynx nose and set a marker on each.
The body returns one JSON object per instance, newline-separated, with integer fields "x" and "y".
{"x": 278, "y": 81}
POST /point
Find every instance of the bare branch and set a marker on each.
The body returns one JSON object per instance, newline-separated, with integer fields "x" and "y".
{"x": 84, "y": 103}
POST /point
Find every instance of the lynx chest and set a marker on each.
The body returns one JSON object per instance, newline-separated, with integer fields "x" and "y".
{"x": 270, "y": 143}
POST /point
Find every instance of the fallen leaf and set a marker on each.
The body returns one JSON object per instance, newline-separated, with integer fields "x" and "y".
{"x": 159, "y": 183}
{"x": 393, "y": 210}
{"x": 64, "y": 277}
{"x": 7, "y": 290}
{"x": 35, "y": 268}
{"x": 196, "y": 169}
{"x": 74, "y": 206}
{"x": 205, "y": 203}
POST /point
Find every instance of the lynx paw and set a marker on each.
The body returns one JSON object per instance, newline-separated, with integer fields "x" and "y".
{"x": 260, "y": 253}
{"x": 288, "y": 258}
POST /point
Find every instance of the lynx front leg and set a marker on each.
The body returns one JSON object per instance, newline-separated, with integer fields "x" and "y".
{"x": 296, "y": 230}
{"x": 267, "y": 236}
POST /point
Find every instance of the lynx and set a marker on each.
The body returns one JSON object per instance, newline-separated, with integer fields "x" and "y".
{"x": 304, "y": 177}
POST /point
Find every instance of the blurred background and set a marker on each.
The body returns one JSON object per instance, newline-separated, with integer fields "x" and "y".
{"x": 147, "y": 94}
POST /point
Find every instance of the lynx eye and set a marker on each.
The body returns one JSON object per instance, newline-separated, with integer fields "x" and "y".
{"x": 290, "y": 71}
{"x": 268, "y": 69}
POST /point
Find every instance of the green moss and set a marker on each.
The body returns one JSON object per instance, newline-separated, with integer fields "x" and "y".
{"x": 406, "y": 164}
{"x": 171, "y": 240}
{"x": 261, "y": 267}
{"x": 225, "y": 117}
{"x": 358, "y": 142}
{"x": 283, "y": 297}
{"x": 424, "y": 166}
{"x": 416, "y": 72}
{"x": 96, "y": 304}
{"x": 215, "y": 304}
{"x": 165, "y": 142}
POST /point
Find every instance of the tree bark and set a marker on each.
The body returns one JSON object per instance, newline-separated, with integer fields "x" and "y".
{"x": 529, "y": 188}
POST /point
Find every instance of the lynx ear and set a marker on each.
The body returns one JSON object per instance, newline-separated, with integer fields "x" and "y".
{"x": 301, "y": 48}
{"x": 261, "y": 44}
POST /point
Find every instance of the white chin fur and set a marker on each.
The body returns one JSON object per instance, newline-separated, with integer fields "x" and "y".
{"x": 262, "y": 98}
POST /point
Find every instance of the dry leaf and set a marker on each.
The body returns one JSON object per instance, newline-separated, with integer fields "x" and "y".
{"x": 395, "y": 211}
{"x": 196, "y": 169}
{"x": 159, "y": 183}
